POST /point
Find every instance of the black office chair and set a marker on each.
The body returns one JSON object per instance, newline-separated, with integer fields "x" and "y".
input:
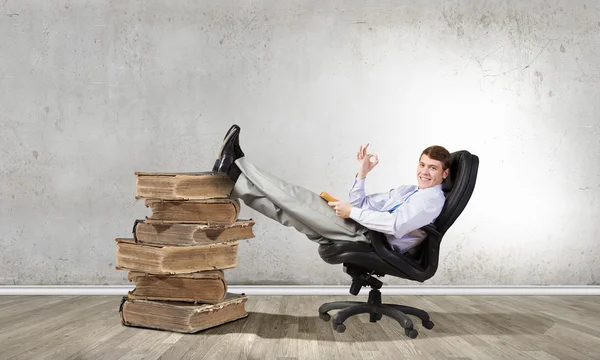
{"x": 363, "y": 261}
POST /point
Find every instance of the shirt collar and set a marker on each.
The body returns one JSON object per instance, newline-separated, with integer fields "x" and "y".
{"x": 438, "y": 186}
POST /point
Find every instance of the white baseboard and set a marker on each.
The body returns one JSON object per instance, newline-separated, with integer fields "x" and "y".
{"x": 315, "y": 290}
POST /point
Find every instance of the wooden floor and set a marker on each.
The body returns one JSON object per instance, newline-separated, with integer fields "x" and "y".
{"x": 288, "y": 327}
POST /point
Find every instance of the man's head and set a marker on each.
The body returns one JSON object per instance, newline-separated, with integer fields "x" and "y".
{"x": 434, "y": 166}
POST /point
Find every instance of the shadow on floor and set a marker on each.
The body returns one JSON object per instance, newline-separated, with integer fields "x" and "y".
{"x": 358, "y": 328}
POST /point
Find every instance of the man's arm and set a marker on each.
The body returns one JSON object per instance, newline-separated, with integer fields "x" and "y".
{"x": 358, "y": 197}
{"x": 420, "y": 211}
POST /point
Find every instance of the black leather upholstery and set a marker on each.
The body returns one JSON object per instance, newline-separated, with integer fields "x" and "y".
{"x": 422, "y": 262}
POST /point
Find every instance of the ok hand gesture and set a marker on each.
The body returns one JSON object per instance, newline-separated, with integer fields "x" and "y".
{"x": 365, "y": 162}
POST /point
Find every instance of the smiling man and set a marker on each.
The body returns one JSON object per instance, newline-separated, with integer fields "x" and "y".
{"x": 398, "y": 213}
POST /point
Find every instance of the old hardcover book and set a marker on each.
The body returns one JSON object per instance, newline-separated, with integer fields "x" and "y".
{"x": 179, "y": 316}
{"x": 185, "y": 234}
{"x": 193, "y": 211}
{"x": 164, "y": 259}
{"x": 207, "y": 287}
{"x": 182, "y": 186}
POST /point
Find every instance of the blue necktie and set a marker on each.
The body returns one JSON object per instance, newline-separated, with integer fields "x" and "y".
{"x": 395, "y": 207}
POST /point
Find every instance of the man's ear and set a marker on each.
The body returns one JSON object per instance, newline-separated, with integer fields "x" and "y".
{"x": 445, "y": 174}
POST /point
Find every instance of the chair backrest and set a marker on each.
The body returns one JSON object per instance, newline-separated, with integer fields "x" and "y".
{"x": 458, "y": 187}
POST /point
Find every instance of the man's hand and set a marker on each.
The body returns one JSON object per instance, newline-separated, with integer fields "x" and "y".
{"x": 364, "y": 160}
{"x": 342, "y": 208}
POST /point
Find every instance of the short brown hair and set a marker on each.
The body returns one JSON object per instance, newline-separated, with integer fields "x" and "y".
{"x": 439, "y": 153}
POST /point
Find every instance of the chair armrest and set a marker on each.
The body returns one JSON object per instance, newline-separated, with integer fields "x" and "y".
{"x": 403, "y": 263}
{"x": 432, "y": 234}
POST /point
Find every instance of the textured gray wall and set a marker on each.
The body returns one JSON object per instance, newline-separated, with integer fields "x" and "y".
{"x": 91, "y": 92}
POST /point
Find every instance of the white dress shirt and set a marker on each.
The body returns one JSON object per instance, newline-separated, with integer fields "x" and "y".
{"x": 402, "y": 226}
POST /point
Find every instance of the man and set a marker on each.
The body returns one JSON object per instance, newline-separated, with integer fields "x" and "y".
{"x": 398, "y": 213}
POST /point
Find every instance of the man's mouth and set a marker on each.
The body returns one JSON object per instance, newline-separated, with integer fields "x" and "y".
{"x": 424, "y": 178}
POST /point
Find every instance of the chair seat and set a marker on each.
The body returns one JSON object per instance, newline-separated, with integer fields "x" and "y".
{"x": 358, "y": 254}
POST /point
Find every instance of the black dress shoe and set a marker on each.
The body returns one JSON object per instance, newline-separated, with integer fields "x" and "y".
{"x": 227, "y": 155}
{"x": 237, "y": 148}
{"x": 232, "y": 128}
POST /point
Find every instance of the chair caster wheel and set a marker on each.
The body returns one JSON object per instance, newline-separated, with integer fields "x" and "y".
{"x": 428, "y": 325}
{"x": 375, "y": 317}
{"x": 339, "y": 328}
{"x": 324, "y": 316}
{"x": 411, "y": 333}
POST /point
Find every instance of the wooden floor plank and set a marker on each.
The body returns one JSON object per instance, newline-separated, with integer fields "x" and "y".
{"x": 288, "y": 327}
{"x": 59, "y": 322}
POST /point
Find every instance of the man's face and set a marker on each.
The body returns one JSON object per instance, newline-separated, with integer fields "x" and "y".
{"x": 429, "y": 172}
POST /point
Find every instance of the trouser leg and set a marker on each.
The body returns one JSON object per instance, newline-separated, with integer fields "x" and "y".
{"x": 292, "y": 205}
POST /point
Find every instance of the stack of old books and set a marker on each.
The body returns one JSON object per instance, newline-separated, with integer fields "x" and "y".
{"x": 177, "y": 255}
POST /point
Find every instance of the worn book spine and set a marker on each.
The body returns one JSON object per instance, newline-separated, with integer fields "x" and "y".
{"x": 159, "y": 259}
{"x": 181, "y": 317}
{"x": 224, "y": 211}
{"x": 207, "y": 287}
{"x": 186, "y": 234}
{"x": 208, "y": 274}
{"x": 182, "y": 186}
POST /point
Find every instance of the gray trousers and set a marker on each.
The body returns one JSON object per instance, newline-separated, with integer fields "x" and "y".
{"x": 292, "y": 205}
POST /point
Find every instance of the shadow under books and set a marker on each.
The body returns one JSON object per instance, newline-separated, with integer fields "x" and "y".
{"x": 278, "y": 326}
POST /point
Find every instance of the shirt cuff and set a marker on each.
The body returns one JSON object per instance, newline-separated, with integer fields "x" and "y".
{"x": 358, "y": 182}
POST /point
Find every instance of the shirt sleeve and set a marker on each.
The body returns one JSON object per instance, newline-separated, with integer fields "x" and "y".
{"x": 421, "y": 210}
{"x": 358, "y": 198}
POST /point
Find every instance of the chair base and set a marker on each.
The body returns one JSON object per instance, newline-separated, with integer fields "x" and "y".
{"x": 376, "y": 309}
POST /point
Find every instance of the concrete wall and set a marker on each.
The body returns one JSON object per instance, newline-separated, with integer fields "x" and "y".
{"x": 91, "y": 92}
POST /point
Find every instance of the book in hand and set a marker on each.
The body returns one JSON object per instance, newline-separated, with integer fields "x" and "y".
{"x": 327, "y": 196}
